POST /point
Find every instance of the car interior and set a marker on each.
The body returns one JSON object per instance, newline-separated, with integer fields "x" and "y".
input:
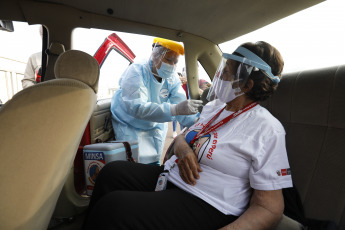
{"x": 42, "y": 181}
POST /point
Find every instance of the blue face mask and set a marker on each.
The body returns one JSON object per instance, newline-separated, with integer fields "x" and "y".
{"x": 166, "y": 70}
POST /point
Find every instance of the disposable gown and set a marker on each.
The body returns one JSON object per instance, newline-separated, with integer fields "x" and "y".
{"x": 141, "y": 108}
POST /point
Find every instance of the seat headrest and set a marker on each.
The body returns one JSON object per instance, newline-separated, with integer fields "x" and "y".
{"x": 78, "y": 65}
{"x": 56, "y": 49}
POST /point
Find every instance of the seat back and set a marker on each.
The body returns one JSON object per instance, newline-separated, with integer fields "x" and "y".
{"x": 41, "y": 128}
{"x": 311, "y": 106}
{"x": 71, "y": 202}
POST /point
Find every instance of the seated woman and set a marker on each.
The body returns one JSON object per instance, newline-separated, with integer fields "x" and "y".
{"x": 228, "y": 169}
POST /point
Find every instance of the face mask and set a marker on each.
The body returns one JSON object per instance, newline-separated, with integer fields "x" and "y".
{"x": 166, "y": 70}
{"x": 226, "y": 93}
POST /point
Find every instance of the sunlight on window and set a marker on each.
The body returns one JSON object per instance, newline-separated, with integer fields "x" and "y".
{"x": 310, "y": 39}
{"x": 14, "y": 54}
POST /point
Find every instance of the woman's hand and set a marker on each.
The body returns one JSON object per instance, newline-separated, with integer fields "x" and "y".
{"x": 188, "y": 163}
{"x": 189, "y": 168}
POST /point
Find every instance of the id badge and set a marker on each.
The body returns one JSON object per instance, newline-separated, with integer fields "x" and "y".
{"x": 162, "y": 181}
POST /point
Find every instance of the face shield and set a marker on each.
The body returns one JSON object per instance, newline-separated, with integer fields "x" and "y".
{"x": 163, "y": 62}
{"x": 164, "y": 57}
{"x": 233, "y": 73}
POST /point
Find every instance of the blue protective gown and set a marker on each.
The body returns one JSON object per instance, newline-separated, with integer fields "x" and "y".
{"x": 141, "y": 108}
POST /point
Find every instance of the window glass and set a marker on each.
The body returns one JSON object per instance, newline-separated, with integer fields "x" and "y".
{"x": 204, "y": 79}
{"x": 202, "y": 73}
{"x": 111, "y": 71}
{"x": 310, "y": 39}
{"x": 15, "y": 49}
{"x": 89, "y": 41}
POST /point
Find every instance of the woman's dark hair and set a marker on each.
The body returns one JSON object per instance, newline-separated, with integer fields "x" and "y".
{"x": 263, "y": 87}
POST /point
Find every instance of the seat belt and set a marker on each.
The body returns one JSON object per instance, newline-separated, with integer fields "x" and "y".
{"x": 53, "y": 53}
{"x": 44, "y": 55}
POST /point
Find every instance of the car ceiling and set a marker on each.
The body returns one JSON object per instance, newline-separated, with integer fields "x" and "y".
{"x": 217, "y": 21}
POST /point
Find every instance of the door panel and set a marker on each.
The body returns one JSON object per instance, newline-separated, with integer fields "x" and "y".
{"x": 101, "y": 129}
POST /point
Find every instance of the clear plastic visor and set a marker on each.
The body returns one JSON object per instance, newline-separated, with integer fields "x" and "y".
{"x": 231, "y": 76}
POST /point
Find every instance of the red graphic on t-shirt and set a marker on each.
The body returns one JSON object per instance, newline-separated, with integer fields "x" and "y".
{"x": 284, "y": 172}
{"x": 212, "y": 148}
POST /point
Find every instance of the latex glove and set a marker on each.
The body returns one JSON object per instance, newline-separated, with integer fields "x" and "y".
{"x": 186, "y": 107}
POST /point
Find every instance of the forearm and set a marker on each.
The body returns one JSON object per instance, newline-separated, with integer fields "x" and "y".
{"x": 188, "y": 120}
{"x": 29, "y": 76}
{"x": 263, "y": 213}
{"x": 27, "y": 82}
{"x": 181, "y": 147}
{"x": 255, "y": 218}
{"x": 144, "y": 110}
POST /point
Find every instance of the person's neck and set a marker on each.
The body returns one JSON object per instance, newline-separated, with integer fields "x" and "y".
{"x": 238, "y": 103}
{"x": 158, "y": 78}
{"x": 155, "y": 74}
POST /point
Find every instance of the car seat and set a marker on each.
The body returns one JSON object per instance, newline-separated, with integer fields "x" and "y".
{"x": 41, "y": 127}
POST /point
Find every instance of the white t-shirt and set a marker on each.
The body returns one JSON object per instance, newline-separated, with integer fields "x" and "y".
{"x": 247, "y": 152}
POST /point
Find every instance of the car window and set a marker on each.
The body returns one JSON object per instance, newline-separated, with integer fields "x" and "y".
{"x": 310, "y": 39}
{"x": 14, "y": 55}
{"x": 202, "y": 73}
{"x": 114, "y": 64}
{"x": 204, "y": 79}
{"x": 112, "y": 68}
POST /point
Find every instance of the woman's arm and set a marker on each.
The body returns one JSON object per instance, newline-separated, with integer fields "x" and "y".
{"x": 265, "y": 211}
{"x": 188, "y": 165}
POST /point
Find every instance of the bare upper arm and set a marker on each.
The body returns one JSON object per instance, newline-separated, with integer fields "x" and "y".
{"x": 272, "y": 201}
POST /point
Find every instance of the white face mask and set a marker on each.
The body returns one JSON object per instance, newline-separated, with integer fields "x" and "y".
{"x": 166, "y": 70}
{"x": 226, "y": 93}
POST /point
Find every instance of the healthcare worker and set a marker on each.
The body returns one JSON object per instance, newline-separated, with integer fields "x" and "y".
{"x": 150, "y": 95}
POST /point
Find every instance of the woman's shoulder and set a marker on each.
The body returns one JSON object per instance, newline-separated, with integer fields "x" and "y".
{"x": 267, "y": 120}
{"x": 212, "y": 107}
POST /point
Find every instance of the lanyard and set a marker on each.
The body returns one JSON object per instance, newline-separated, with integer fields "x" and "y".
{"x": 206, "y": 129}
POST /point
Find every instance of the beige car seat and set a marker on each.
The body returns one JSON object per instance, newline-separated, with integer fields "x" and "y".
{"x": 41, "y": 128}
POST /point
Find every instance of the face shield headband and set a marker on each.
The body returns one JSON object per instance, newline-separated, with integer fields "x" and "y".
{"x": 252, "y": 59}
{"x": 233, "y": 72}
